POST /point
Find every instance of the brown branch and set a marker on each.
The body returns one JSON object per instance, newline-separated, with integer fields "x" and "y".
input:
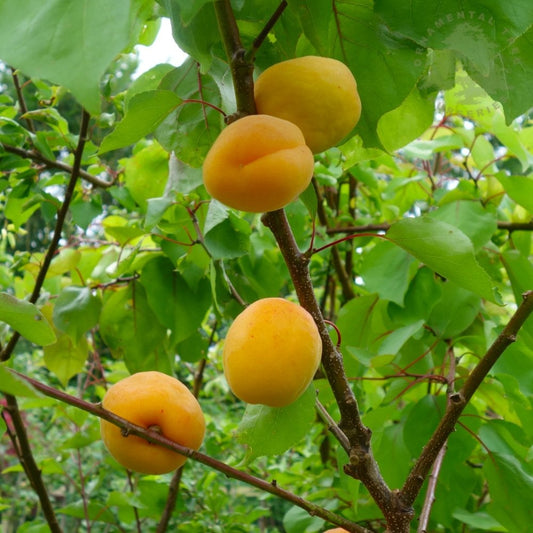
{"x": 60, "y": 221}
{"x": 21, "y": 100}
{"x": 25, "y": 456}
{"x": 459, "y": 400}
{"x": 429, "y": 499}
{"x": 26, "y": 459}
{"x": 174, "y": 487}
{"x": 151, "y": 436}
{"x": 362, "y": 464}
{"x": 385, "y": 226}
{"x": 258, "y": 41}
{"x": 50, "y": 163}
{"x": 342, "y": 274}
{"x": 241, "y": 68}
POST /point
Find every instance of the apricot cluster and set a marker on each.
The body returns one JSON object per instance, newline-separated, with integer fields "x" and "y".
{"x": 263, "y": 162}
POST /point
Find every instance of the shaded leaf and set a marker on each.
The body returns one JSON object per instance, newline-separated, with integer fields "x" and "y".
{"x": 177, "y": 306}
{"x": 76, "y": 310}
{"x": 507, "y": 478}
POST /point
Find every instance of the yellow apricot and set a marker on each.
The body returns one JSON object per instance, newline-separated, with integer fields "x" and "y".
{"x": 258, "y": 163}
{"x": 336, "y": 530}
{"x": 271, "y": 352}
{"x": 157, "y": 401}
{"x": 318, "y": 94}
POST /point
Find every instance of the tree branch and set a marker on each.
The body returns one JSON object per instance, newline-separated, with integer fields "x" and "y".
{"x": 362, "y": 463}
{"x": 384, "y": 226}
{"x": 258, "y": 41}
{"x": 20, "y": 98}
{"x": 154, "y": 437}
{"x": 50, "y": 163}
{"x": 458, "y": 401}
{"x": 60, "y": 221}
{"x": 26, "y": 459}
{"x": 241, "y": 68}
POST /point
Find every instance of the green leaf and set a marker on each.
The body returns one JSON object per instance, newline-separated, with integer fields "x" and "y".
{"x": 519, "y": 188}
{"x": 229, "y": 239}
{"x": 478, "y": 520}
{"x": 146, "y": 173}
{"x": 62, "y": 41}
{"x": 477, "y": 223}
{"x": 410, "y": 119}
{"x": 273, "y": 430}
{"x": 454, "y": 312}
{"x": 66, "y": 357}
{"x": 393, "y": 342}
{"x": 488, "y": 37}
{"x": 507, "y": 477}
{"x": 509, "y": 80}
{"x": 76, "y": 310}
{"x": 445, "y": 249}
{"x": 12, "y": 384}
{"x": 385, "y": 270}
{"x": 177, "y": 306}
{"x": 189, "y": 23}
{"x": 145, "y": 112}
{"x": 131, "y": 330}
{"x": 26, "y": 318}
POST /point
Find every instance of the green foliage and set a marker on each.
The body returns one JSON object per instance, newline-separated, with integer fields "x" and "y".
{"x": 418, "y": 231}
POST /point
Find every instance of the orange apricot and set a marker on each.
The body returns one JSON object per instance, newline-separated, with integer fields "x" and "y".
{"x": 157, "y": 401}
{"x": 271, "y": 352}
{"x": 318, "y": 94}
{"x": 258, "y": 163}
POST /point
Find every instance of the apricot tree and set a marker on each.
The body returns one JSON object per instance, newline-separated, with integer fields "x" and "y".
{"x": 409, "y": 244}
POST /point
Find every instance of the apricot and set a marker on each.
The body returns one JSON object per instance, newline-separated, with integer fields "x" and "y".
{"x": 157, "y": 401}
{"x": 336, "y": 530}
{"x": 318, "y": 94}
{"x": 271, "y": 352}
{"x": 258, "y": 163}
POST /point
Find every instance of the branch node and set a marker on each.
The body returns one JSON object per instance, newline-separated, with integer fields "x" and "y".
{"x": 456, "y": 398}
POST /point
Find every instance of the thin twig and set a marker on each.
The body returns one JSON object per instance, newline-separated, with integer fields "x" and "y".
{"x": 26, "y": 457}
{"x": 385, "y": 226}
{"x": 31, "y": 469}
{"x": 332, "y": 426}
{"x": 429, "y": 499}
{"x": 51, "y": 163}
{"x": 174, "y": 487}
{"x": 459, "y": 400}
{"x": 258, "y": 41}
{"x": 21, "y": 100}
{"x": 60, "y": 221}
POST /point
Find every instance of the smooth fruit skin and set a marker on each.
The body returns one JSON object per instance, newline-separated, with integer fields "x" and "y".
{"x": 336, "y": 530}
{"x": 257, "y": 164}
{"x": 271, "y": 352}
{"x": 318, "y": 94}
{"x": 151, "y": 399}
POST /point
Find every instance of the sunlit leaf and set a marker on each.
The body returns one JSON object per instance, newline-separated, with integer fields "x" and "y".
{"x": 445, "y": 249}
{"x": 26, "y": 318}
